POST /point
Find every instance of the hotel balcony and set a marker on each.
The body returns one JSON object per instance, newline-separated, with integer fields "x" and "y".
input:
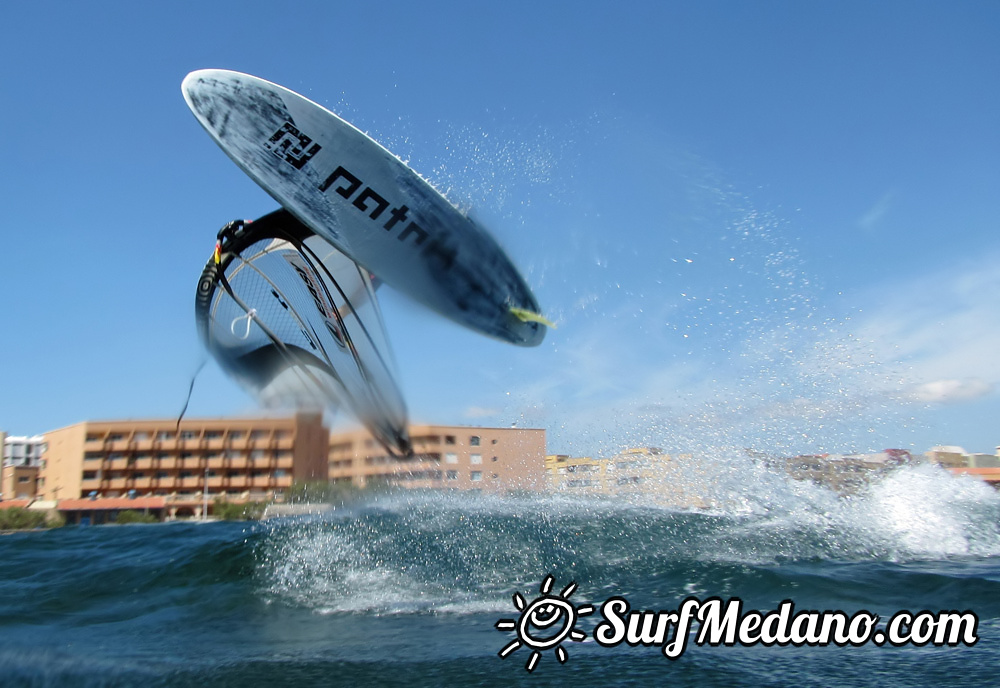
{"x": 238, "y": 462}
{"x": 117, "y": 446}
{"x": 190, "y": 482}
{"x": 262, "y": 480}
{"x": 143, "y": 464}
{"x": 143, "y": 483}
{"x": 168, "y": 463}
{"x": 89, "y": 485}
{"x": 216, "y": 481}
{"x": 285, "y": 463}
{"x": 116, "y": 483}
{"x": 117, "y": 464}
{"x": 143, "y": 445}
{"x": 216, "y": 462}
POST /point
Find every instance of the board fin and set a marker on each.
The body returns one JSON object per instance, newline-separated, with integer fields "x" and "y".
{"x": 524, "y": 315}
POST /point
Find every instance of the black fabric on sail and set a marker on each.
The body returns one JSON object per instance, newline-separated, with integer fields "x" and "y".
{"x": 297, "y": 323}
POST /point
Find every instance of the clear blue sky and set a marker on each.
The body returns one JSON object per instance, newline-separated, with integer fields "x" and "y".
{"x": 767, "y": 224}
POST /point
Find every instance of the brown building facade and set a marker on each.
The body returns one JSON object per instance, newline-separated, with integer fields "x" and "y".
{"x": 233, "y": 459}
{"x": 185, "y": 469}
{"x": 447, "y": 456}
{"x": 18, "y": 482}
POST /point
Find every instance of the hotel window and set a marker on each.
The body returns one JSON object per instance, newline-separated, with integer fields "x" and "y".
{"x": 449, "y": 439}
{"x": 476, "y": 458}
{"x": 115, "y": 438}
{"x": 474, "y": 440}
{"x": 451, "y": 475}
{"x": 258, "y": 454}
{"x": 162, "y": 474}
{"x": 140, "y": 436}
{"x": 258, "y": 434}
{"x": 213, "y": 434}
{"x": 188, "y": 434}
{"x": 451, "y": 457}
{"x": 476, "y": 476}
{"x": 164, "y": 435}
{"x": 90, "y": 475}
{"x": 235, "y": 434}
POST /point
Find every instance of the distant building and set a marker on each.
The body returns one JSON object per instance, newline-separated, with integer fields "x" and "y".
{"x": 236, "y": 460}
{"x": 643, "y": 472}
{"x": 576, "y": 473}
{"x": 985, "y": 467}
{"x": 447, "y": 456}
{"x": 21, "y": 461}
{"x": 23, "y": 451}
{"x": 843, "y": 473}
{"x": 948, "y": 457}
{"x": 983, "y": 461}
{"x": 98, "y": 468}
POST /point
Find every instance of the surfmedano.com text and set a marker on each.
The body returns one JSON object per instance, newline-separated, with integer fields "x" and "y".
{"x": 714, "y": 622}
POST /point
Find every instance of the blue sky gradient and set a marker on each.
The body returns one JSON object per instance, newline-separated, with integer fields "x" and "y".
{"x": 768, "y": 224}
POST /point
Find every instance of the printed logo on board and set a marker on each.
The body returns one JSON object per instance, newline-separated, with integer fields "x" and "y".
{"x": 296, "y": 148}
{"x": 292, "y": 146}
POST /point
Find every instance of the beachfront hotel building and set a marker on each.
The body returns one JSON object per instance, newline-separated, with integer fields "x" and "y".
{"x": 95, "y": 468}
{"x": 181, "y": 468}
{"x": 446, "y": 456}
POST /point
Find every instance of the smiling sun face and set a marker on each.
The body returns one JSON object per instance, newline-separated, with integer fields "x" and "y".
{"x": 545, "y": 623}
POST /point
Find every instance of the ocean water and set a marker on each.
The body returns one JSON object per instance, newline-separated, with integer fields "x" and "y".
{"x": 406, "y": 589}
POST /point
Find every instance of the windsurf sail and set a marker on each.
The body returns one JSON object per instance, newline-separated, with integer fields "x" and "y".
{"x": 297, "y": 323}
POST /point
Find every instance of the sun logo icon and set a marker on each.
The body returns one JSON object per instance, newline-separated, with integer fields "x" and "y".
{"x": 545, "y": 623}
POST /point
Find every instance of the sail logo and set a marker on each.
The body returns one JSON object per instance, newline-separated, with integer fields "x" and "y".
{"x": 323, "y": 306}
